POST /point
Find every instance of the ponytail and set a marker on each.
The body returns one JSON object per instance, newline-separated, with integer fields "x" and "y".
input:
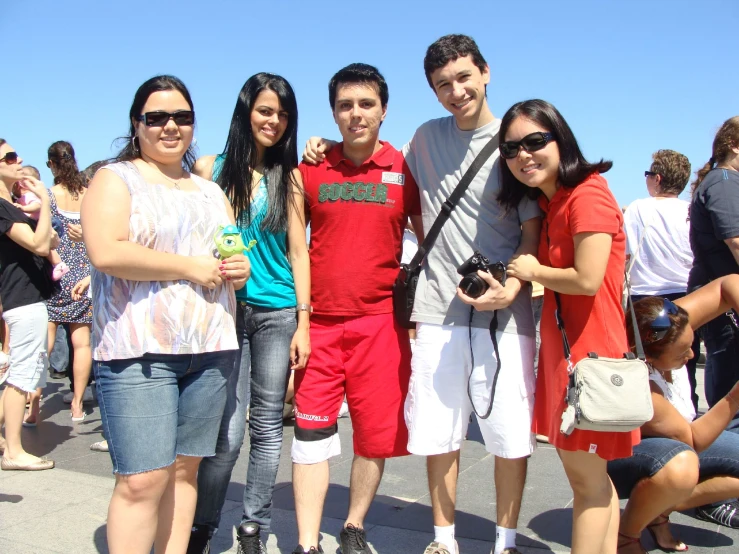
{"x": 726, "y": 138}
{"x": 68, "y": 174}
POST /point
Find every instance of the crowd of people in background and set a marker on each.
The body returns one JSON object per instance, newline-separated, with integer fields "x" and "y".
{"x": 120, "y": 271}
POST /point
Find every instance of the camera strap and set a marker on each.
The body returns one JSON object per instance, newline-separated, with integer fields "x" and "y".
{"x": 451, "y": 202}
{"x": 494, "y": 338}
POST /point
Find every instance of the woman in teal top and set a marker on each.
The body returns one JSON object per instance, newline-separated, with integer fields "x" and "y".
{"x": 258, "y": 172}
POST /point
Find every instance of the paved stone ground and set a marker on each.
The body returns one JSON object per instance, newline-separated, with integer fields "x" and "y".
{"x": 64, "y": 510}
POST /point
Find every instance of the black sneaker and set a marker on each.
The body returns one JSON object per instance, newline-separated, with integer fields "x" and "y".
{"x": 726, "y": 514}
{"x": 300, "y": 550}
{"x": 199, "y": 540}
{"x": 248, "y": 538}
{"x": 353, "y": 540}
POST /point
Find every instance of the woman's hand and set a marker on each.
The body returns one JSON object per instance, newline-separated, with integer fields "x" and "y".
{"x": 79, "y": 290}
{"x": 315, "y": 150}
{"x": 523, "y": 267}
{"x": 236, "y": 269}
{"x": 74, "y": 232}
{"x": 300, "y": 348}
{"x": 205, "y": 271}
{"x": 35, "y": 186}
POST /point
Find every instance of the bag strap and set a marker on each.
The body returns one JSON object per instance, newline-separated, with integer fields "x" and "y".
{"x": 448, "y": 206}
{"x": 566, "y": 342}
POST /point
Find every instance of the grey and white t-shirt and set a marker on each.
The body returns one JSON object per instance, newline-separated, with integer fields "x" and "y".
{"x": 438, "y": 156}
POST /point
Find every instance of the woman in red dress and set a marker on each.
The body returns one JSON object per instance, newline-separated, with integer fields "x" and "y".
{"x": 581, "y": 256}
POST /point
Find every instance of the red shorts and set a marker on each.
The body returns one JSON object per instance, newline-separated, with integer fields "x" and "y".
{"x": 369, "y": 359}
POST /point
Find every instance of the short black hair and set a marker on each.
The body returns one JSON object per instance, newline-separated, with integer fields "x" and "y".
{"x": 361, "y": 73}
{"x": 447, "y": 49}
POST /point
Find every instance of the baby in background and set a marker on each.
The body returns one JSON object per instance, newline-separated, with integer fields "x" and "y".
{"x": 30, "y": 204}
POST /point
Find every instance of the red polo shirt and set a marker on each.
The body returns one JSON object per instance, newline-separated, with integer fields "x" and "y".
{"x": 357, "y": 217}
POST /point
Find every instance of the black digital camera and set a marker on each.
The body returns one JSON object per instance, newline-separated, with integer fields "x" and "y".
{"x": 472, "y": 284}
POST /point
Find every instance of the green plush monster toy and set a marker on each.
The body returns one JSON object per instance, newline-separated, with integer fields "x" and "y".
{"x": 229, "y": 242}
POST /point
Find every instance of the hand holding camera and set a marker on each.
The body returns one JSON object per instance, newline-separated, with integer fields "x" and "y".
{"x": 483, "y": 284}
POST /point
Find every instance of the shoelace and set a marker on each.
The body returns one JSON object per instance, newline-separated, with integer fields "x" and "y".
{"x": 725, "y": 513}
{"x": 250, "y": 545}
{"x": 355, "y": 536}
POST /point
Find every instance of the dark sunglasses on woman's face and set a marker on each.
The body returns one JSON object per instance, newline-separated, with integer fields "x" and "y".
{"x": 10, "y": 158}
{"x": 650, "y": 174}
{"x": 160, "y": 119}
{"x": 662, "y": 323}
{"x": 531, "y": 143}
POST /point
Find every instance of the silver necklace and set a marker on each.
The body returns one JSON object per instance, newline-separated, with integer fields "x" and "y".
{"x": 175, "y": 182}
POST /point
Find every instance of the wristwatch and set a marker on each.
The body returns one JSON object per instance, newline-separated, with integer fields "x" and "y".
{"x": 304, "y": 308}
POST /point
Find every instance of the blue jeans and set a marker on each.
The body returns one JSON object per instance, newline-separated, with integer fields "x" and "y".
{"x": 722, "y": 361}
{"x": 261, "y": 381}
{"x": 160, "y": 406}
{"x": 653, "y": 453}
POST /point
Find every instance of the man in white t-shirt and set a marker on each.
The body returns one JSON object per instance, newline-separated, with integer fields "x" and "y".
{"x": 657, "y": 229}
{"x": 658, "y": 238}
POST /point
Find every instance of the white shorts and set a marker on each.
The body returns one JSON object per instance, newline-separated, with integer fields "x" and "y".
{"x": 438, "y": 408}
{"x": 28, "y": 339}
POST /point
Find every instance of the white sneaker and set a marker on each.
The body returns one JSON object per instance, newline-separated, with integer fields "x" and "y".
{"x": 440, "y": 548}
{"x": 86, "y": 396}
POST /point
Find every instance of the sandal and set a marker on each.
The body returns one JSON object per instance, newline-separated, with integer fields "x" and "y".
{"x": 628, "y": 541}
{"x": 680, "y": 547}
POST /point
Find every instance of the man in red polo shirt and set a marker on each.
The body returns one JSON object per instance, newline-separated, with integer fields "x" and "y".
{"x": 358, "y": 201}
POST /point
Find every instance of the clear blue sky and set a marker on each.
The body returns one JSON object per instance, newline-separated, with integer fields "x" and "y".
{"x": 630, "y": 76}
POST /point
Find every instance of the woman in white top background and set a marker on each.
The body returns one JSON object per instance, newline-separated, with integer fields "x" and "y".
{"x": 658, "y": 238}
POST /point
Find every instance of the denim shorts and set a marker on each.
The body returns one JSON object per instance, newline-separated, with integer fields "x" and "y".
{"x": 160, "y": 406}
{"x": 653, "y": 453}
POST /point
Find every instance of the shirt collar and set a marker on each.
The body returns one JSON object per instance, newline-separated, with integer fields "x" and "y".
{"x": 384, "y": 157}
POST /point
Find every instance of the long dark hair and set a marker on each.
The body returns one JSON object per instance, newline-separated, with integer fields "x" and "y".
{"x": 61, "y": 154}
{"x": 573, "y": 167}
{"x": 280, "y": 160}
{"x": 726, "y": 138}
{"x": 131, "y": 150}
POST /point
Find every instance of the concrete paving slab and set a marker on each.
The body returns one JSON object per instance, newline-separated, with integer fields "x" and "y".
{"x": 63, "y": 510}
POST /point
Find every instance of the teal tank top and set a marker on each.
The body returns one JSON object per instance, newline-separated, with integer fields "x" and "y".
{"x": 271, "y": 284}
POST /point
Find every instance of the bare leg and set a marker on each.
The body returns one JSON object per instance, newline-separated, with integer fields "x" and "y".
{"x": 82, "y": 364}
{"x": 177, "y": 507}
{"x": 310, "y": 486}
{"x": 657, "y": 495}
{"x": 14, "y": 407}
{"x": 35, "y": 407}
{"x": 443, "y": 471}
{"x": 366, "y": 477}
{"x": 713, "y": 489}
{"x": 592, "y": 506}
{"x": 133, "y": 510}
{"x": 510, "y": 478}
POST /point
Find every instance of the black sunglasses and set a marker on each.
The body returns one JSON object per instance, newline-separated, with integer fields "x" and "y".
{"x": 10, "y": 158}
{"x": 531, "y": 143}
{"x": 662, "y": 323}
{"x": 160, "y": 119}
{"x": 650, "y": 174}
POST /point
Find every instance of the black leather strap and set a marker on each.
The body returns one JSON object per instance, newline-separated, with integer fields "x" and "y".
{"x": 561, "y": 322}
{"x": 448, "y": 206}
